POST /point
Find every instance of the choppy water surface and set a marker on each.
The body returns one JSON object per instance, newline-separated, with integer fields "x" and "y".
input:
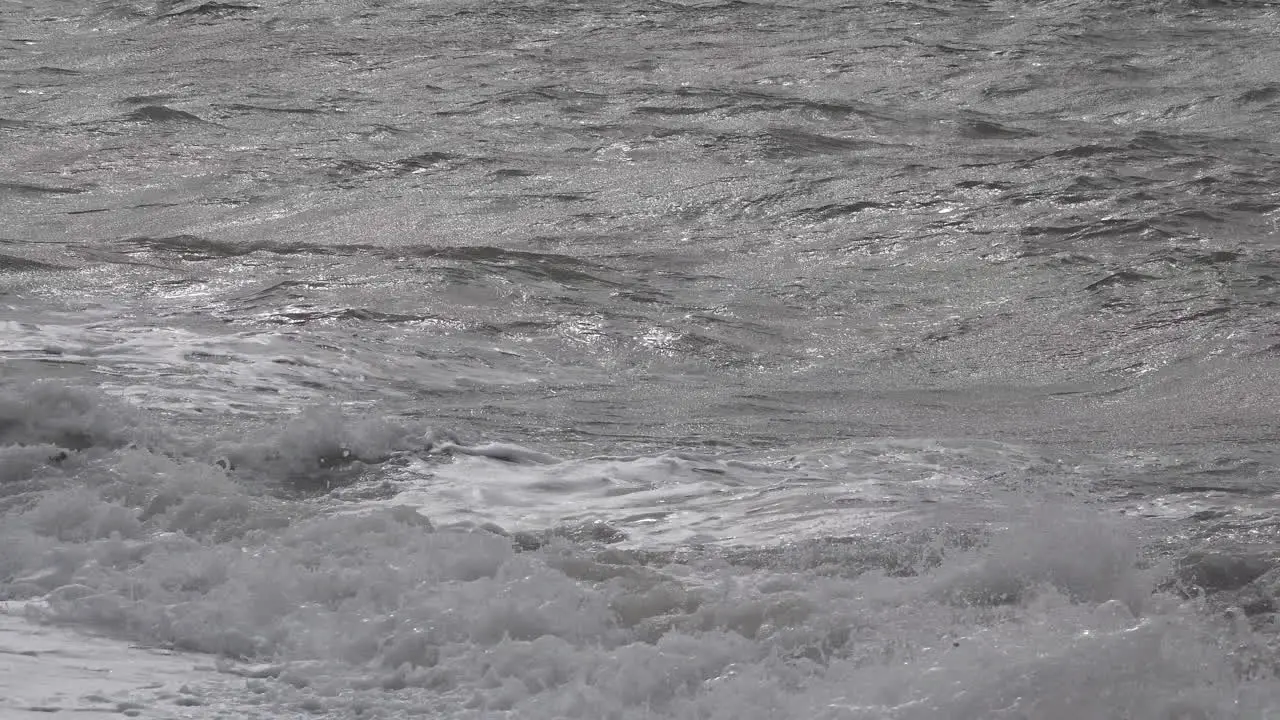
{"x": 649, "y": 359}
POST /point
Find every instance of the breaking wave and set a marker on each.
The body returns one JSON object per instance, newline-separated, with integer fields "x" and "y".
{"x": 288, "y": 556}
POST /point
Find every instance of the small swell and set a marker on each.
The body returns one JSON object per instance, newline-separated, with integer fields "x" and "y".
{"x": 204, "y": 9}
{"x": 984, "y": 130}
{"x": 11, "y": 263}
{"x": 31, "y": 189}
{"x": 798, "y": 143}
{"x": 197, "y": 248}
{"x": 161, "y": 114}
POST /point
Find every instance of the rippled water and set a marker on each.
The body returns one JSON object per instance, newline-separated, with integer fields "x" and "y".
{"x": 649, "y": 359}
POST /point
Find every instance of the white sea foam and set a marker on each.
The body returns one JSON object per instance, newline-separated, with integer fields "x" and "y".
{"x": 373, "y": 610}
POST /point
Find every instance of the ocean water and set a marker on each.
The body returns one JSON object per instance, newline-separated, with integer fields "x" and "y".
{"x": 644, "y": 359}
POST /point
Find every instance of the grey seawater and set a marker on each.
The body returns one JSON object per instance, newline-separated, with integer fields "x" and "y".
{"x": 650, "y": 359}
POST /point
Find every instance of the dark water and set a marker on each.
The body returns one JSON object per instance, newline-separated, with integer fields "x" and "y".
{"x": 815, "y": 338}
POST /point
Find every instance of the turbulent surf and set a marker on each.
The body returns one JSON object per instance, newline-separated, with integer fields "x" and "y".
{"x": 898, "y": 360}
